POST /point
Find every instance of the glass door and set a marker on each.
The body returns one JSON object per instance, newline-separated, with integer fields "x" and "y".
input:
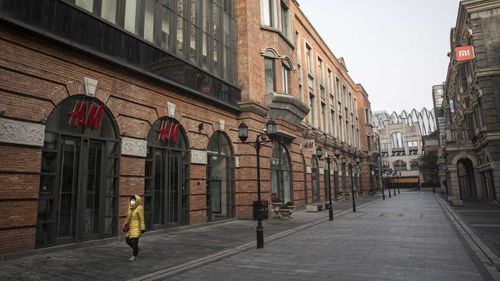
{"x": 66, "y": 212}
{"x": 174, "y": 187}
{"x": 93, "y": 193}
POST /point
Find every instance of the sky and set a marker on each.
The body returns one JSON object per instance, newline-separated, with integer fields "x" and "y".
{"x": 397, "y": 49}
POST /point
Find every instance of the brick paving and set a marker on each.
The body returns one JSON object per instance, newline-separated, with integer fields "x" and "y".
{"x": 159, "y": 250}
{"x": 406, "y": 238}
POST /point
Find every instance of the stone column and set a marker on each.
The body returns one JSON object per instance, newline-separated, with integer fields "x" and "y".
{"x": 454, "y": 187}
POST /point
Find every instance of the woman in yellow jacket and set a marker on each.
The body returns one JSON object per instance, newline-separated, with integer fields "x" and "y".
{"x": 136, "y": 225}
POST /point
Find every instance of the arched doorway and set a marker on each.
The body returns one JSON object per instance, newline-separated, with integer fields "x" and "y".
{"x": 281, "y": 178}
{"x": 315, "y": 179}
{"x": 220, "y": 178}
{"x": 79, "y": 174}
{"x": 466, "y": 181}
{"x": 166, "y": 191}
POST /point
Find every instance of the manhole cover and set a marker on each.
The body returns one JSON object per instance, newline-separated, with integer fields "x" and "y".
{"x": 391, "y": 215}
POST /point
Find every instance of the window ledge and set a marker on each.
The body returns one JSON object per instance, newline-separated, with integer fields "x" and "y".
{"x": 275, "y": 30}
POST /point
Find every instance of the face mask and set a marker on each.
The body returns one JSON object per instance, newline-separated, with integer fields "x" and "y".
{"x": 132, "y": 202}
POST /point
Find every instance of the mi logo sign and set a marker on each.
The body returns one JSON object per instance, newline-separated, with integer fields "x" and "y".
{"x": 464, "y": 53}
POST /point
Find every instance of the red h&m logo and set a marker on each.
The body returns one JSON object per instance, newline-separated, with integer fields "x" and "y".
{"x": 168, "y": 131}
{"x": 91, "y": 120}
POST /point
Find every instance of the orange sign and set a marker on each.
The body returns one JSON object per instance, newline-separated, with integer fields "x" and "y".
{"x": 464, "y": 53}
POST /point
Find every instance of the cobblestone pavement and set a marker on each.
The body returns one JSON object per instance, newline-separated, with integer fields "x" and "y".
{"x": 158, "y": 250}
{"x": 484, "y": 219}
{"x": 405, "y": 238}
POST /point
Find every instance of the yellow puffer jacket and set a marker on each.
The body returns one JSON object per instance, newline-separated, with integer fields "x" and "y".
{"x": 135, "y": 218}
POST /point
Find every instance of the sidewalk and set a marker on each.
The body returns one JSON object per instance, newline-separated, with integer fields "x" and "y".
{"x": 483, "y": 218}
{"x": 407, "y": 238}
{"x": 158, "y": 250}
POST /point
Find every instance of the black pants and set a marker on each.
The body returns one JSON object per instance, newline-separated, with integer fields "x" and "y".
{"x": 134, "y": 244}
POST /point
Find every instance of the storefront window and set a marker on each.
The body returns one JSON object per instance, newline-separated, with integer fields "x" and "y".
{"x": 281, "y": 179}
{"x": 220, "y": 178}
{"x": 78, "y": 183}
{"x": 315, "y": 179}
{"x": 166, "y": 182}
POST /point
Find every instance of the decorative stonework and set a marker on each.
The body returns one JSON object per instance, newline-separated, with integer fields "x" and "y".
{"x": 134, "y": 147}
{"x": 199, "y": 157}
{"x": 19, "y": 132}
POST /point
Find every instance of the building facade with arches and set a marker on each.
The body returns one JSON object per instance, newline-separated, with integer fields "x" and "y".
{"x": 101, "y": 100}
{"x": 401, "y": 145}
{"x": 470, "y": 154}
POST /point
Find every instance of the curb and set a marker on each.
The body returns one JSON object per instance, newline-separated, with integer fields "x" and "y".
{"x": 489, "y": 259}
{"x": 238, "y": 249}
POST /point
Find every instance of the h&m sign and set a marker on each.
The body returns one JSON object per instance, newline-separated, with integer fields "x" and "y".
{"x": 309, "y": 145}
{"x": 168, "y": 131}
{"x": 79, "y": 116}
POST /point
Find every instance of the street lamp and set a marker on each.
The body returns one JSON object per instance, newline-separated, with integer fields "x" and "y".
{"x": 358, "y": 175}
{"x": 389, "y": 184}
{"x": 336, "y": 153}
{"x": 378, "y": 172}
{"x": 352, "y": 188}
{"x": 319, "y": 153}
{"x": 394, "y": 174}
{"x": 343, "y": 174}
{"x": 399, "y": 186}
{"x": 261, "y": 139}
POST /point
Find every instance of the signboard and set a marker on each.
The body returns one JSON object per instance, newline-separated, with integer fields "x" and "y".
{"x": 309, "y": 145}
{"x": 79, "y": 115}
{"x": 464, "y": 53}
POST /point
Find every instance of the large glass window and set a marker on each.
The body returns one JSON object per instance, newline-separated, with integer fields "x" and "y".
{"x": 79, "y": 174}
{"x": 270, "y": 75}
{"x": 108, "y": 10}
{"x": 267, "y": 13}
{"x": 220, "y": 202}
{"x": 285, "y": 76}
{"x": 166, "y": 190}
{"x": 315, "y": 179}
{"x": 281, "y": 175}
{"x": 130, "y": 16}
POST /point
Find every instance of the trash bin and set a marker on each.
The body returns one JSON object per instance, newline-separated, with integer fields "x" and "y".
{"x": 260, "y": 210}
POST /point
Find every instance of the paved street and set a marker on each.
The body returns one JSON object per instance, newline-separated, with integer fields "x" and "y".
{"x": 406, "y": 238}
{"x": 159, "y": 250}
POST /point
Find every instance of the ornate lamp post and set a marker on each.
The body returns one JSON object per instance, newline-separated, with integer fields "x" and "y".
{"x": 399, "y": 187}
{"x": 378, "y": 173}
{"x": 358, "y": 175}
{"x": 389, "y": 173}
{"x": 352, "y": 188}
{"x": 394, "y": 174}
{"x": 336, "y": 153}
{"x": 319, "y": 153}
{"x": 261, "y": 139}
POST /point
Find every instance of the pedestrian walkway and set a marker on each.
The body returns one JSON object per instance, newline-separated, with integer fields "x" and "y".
{"x": 484, "y": 219}
{"x": 408, "y": 237}
{"x": 158, "y": 251}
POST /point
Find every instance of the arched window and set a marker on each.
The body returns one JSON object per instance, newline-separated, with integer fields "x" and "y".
{"x": 400, "y": 165}
{"x": 166, "y": 185}
{"x": 315, "y": 179}
{"x": 79, "y": 174}
{"x": 281, "y": 175}
{"x": 286, "y": 67}
{"x": 220, "y": 178}
{"x": 397, "y": 142}
{"x": 270, "y": 57}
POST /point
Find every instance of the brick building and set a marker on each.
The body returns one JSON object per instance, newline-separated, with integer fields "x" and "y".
{"x": 470, "y": 147}
{"x": 104, "y": 99}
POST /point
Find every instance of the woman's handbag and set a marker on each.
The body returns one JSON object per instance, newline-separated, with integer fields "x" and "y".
{"x": 126, "y": 227}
